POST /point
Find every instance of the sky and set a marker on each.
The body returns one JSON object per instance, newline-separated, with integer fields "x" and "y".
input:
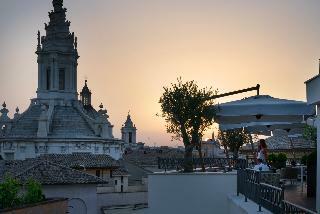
{"x": 130, "y": 49}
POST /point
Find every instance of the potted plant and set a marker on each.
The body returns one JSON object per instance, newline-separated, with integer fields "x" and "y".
{"x": 277, "y": 161}
{"x": 281, "y": 160}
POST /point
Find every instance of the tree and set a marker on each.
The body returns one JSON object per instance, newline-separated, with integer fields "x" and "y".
{"x": 188, "y": 112}
{"x": 232, "y": 140}
{"x": 310, "y": 133}
{"x": 12, "y": 193}
{"x": 9, "y": 190}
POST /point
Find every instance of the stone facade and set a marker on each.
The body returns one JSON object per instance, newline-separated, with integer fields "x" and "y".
{"x": 56, "y": 122}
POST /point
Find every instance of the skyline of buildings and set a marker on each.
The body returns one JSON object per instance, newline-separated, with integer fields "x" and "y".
{"x": 129, "y": 51}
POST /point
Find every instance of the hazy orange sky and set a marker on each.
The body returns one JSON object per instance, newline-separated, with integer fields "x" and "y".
{"x": 130, "y": 49}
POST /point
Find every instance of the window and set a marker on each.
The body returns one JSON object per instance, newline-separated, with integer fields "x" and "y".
{"x": 98, "y": 173}
{"x": 115, "y": 182}
{"x": 62, "y": 79}
{"x": 130, "y": 137}
{"x": 121, "y": 179}
{"x": 48, "y": 78}
{"x": 121, "y": 188}
{"x": 110, "y": 173}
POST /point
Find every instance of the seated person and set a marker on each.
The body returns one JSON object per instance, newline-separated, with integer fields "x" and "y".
{"x": 261, "y": 166}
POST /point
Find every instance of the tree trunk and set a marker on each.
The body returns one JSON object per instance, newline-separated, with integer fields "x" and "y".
{"x": 201, "y": 158}
{"x": 188, "y": 163}
{"x": 188, "y": 148}
{"x": 252, "y": 150}
{"x": 235, "y": 153}
{"x": 226, "y": 150}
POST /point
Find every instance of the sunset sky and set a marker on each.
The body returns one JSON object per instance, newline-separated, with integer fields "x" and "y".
{"x": 130, "y": 49}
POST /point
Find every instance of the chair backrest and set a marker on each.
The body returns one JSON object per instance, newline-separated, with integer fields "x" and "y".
{"x": 289, "y": 173}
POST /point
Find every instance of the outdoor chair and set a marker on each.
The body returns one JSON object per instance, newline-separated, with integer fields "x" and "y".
{"x": 289, "y": 173}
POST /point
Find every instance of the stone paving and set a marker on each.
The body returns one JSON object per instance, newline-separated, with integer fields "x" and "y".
{"x": 294, "y": 194}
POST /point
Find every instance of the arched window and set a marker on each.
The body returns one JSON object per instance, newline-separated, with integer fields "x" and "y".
{"x": 130, "y": 137}
{"x": 48, "y": 75}
{"x": 62, "y": 79}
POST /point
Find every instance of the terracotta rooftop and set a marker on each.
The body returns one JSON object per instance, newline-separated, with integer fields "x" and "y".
{"x": 82, "y": 160}
{"x": 45, "y": 172}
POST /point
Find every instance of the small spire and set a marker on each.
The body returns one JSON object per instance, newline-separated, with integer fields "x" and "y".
{"x": 39, "y": 45}
{"x": 57, "y": 5}
{"x": 17, "y": 109}
{"x": 85, "y": 82}
{"x": 4, "y": 105}
{"x": 101, "y": 106}
{"x": 76, "y": 42}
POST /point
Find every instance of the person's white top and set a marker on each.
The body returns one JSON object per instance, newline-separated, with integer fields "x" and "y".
{"x": 261, "y": 167}
{"x": 261, "y": 155}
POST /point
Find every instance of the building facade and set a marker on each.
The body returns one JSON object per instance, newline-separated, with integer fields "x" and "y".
{"x": 56, "y": 122}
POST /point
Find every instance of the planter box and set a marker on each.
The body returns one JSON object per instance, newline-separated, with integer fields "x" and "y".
{"x": 190, "y": 193}
{"x": 51, "y": 206}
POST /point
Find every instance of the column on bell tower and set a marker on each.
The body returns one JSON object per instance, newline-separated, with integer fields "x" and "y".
{"x": 57, "y": 57}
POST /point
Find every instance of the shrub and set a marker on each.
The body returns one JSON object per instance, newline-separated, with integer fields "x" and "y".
{"x": 9, "y": 190}
{"x": 33, "y": 192}
{"x": 272, "y": 158}
{"x": 11, "y": 193}
{"x": 282, "y": 157}
{"x": 277, "y": 161}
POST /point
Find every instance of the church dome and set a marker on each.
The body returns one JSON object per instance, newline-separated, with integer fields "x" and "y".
{"x": 67, "y": 122}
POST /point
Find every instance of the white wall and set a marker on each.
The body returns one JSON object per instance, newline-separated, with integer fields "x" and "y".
{"x": 113, "y": 199}
{"x": 86, "y": 192}
{"x": 190, "y": 193}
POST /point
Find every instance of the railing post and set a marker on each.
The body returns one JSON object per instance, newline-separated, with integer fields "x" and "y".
{"x": 245, "y": 186}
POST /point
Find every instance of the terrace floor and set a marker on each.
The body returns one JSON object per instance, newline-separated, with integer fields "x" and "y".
{"x": 294, "y": 194}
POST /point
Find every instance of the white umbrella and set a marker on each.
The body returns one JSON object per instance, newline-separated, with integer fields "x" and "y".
{"x": 263, "y": 108}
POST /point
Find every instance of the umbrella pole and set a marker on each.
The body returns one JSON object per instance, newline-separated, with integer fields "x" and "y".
{"x": 252, "y": 148}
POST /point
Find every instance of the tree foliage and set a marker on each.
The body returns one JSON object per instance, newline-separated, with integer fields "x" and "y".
{"x": 232, "y": 140}
{"x": 9, "y": 190}
{"x": 13, "y": 193}
{"x": 310, "y": 133}
{"x": 188, "y": 112}
{"x": 33, "y": 192}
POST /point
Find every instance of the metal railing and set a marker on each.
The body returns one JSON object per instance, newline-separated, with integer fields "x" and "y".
{"x": 270, "y": 197}
{"x": 296, "y": 209}
{"x": 265, "y": 195}
{"x": 177, "y": 163}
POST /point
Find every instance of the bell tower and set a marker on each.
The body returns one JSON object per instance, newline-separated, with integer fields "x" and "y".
{"x": 85, "y": 96}
{"x": 57, "y": 57}
{"x": 129, "y": 131}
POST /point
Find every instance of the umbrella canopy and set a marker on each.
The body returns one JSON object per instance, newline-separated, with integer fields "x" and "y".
{"x": 264, "y": 128}
{"x": 263, "y": 109}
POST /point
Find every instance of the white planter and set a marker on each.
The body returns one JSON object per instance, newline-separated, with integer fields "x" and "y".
{"x": 203, "y": 193}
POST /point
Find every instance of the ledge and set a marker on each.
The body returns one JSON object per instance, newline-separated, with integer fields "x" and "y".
{"x": 46, "y": 201}
{"x": 193, "y": 173}
{"x": 238, "y": 203}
